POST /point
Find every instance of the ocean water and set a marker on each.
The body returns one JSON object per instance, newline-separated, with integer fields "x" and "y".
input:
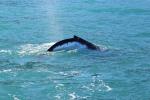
{"x": 120, "y": 72}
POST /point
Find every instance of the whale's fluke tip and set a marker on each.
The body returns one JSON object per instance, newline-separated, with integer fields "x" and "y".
{"x": 75, "y": 36}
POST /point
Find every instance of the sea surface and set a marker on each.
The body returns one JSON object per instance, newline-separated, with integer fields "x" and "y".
{"x": 121, "y": 71}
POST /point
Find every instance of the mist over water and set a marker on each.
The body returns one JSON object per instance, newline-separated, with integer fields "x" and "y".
{"x": 119, "y": 72}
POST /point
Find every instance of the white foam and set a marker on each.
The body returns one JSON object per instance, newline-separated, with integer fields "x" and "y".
{"x": 58, "y": 97}
{"x": 70, "y": 73}
{"x": 104, "y": 87}
{"x": 72, "y": 96}
{"x": 14, "y": 97}
{"x": 6, "y": 51}
{"x": 29, "y": 49}
{"x": 59, "y": 86}
{"x": 87, "y": 88}
{"x": 5, "y": 71}
{"x": 98, "y": 85}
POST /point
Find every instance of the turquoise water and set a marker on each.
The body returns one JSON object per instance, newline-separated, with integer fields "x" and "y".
{"x": 29, "y": 27}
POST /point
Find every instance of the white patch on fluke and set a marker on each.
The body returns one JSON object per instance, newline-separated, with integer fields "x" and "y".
{"x": 70, "y": 46}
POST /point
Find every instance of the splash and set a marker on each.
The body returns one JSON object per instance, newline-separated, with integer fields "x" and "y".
{"x": 41, "y": 49}
{"x": 31, "y": 49}
{"x": 53, "y": 17}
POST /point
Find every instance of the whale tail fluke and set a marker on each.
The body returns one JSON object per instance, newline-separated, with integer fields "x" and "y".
{"x": 75, "y": 39}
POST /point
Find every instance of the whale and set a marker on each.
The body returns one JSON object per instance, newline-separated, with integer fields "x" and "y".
{"x": 73, "y": 43}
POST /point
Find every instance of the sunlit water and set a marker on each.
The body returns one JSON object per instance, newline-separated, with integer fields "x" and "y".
{"x": 120, "y": 72}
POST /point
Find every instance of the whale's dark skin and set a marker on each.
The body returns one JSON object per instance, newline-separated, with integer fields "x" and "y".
{"x": 74, "y": 39}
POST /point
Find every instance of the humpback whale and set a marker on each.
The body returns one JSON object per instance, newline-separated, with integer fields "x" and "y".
{"x": 72, "y": 43}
